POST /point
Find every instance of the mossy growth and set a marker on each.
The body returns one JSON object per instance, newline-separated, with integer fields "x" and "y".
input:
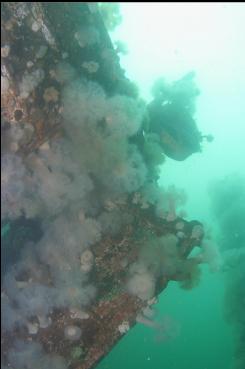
{"x": 110, "y": 13}
{"x": 152, "y": 151}
{"x": 77, "y": 353}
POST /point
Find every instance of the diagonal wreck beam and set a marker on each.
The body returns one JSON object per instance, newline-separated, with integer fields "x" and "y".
{"x": 39, "y": 35}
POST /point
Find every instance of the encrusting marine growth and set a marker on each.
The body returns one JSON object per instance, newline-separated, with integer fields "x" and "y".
{"x": 80, "y": 161}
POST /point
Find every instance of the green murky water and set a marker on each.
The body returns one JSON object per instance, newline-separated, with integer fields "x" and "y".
{"x": 168, "y": 39}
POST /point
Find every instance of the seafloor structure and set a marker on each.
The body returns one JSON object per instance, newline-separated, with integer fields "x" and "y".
{"x": 89, "y": 239}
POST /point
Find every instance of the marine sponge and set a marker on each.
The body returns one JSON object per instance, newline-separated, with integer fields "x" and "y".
{"x": 72, "y": 332}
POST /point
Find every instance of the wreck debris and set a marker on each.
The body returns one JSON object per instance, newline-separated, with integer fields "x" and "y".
{"x": 44, "y": 48}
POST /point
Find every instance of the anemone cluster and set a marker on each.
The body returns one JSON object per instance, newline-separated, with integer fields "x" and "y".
{"x": 74, "y": 186}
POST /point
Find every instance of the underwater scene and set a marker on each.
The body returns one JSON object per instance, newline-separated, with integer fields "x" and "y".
{"x": 122, "y": 185}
